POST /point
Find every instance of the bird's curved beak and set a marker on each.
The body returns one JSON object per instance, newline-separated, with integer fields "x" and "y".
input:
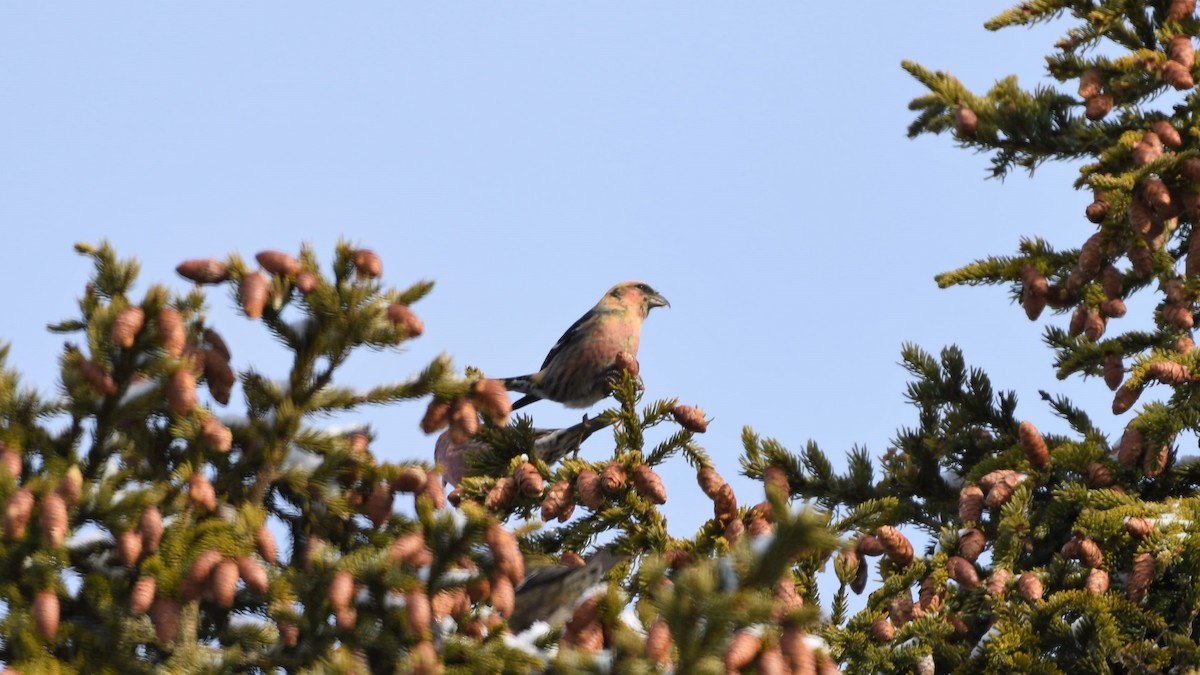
{"x": 655, "y": 300}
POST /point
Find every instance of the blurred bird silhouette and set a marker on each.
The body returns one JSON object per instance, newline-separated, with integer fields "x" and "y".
{"x": 549, "y": 445}
{"x": 575, "y": 372}
{"x": 550, "y": 593}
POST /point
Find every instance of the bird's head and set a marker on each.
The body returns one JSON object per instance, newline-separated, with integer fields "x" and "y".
{"x": 637, "y": 296}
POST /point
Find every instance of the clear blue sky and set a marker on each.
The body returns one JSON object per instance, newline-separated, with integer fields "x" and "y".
{"x": 747, "y": 160}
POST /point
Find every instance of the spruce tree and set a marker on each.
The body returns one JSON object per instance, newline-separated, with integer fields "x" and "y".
{"x": 1065, "y": 552}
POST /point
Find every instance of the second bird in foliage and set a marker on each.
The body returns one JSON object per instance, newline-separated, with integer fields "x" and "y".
{"x": 575, "y": 372}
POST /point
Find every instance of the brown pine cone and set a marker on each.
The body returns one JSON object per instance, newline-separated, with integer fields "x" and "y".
{"x": 53, "y": 520}
{"x": 556, "y": 500}
{"x": 690, "y": 418}
{"x": 17, "y": 513}
{"x": 528, "y": 480}
{"x": 506, "y": 552}
{"x": 341, "y": 590}
{"x": 411, "y": 480}
{"x": 306, "y": 282}
{"x": 970, "y": 504}
{"x": 1138, "y": 528}
{"x": 775, "y": 477}
{"x": 150, "y": 527}
{"x": 725, "y": 504}
{"x": 1140, "y": 577}
{"x": 69, "y": 487}
{"x": 97, "y": 377}
{"x": 794, "y": 645}
{"x": 900, "y": 609}
{"x": 1093, "y": 325}
{"x": 418, "y": 610}
{"x": 129, "y": 547}
{"x": 895, "y": 544}
{"x": 379, "y": 504}
{"x": 963, "y": 571}
{"x": 971, "y": 543}
{"x": 1177, "y": 75}
{"x": 219, "y": 375}
{"x": 1114, "y": 370}
{"x": 503, "y": 597}
{"x": 625, "y": 362}
{"x": 253, "y": 294}
{"x": 1181, "y": 9}
{"x": 658, "y": 642}
{"x": 997, "y": 582}
{"x": 1090, "y": 83}
{"x": 10, "y": 460}
{"x": 1154, "y": 463}
{"x": 172, "y": 332}
{"x": 1131, "y": 447}
{"x": 437, "y": 416}
{"x": 1142, "y": 259}
{"x": 1162, "y": 128}
{"x": 1184, "y": 344}
{"x": 1098, "y": 106}
{"x": 869, "y": 545}
{"x": 502, "y": 493}
{"x": 164, "y": 614}
{"x": 464, "y": 420}
{"x": 253, "y": 574}
{"x": 1156, "y": 194}
{"x": 1169, "y": 372}
{"x": 1090, "y": 554}
{"x": 215, "y": 435}
{"x": 710, "y": 481}
{"x": 201, "y": 492}
{"x": 289, "y": 633}
{"x": 278, "y": 263}
{"x": 142, "y": 595}
{"x": 1033, "y": 445}
{"x": 203, "y": 270}
{"x": 264, "y": 542}
{"x": 181, "y": 392}
{"x": 410, "y": 549}
{"x": 1078, "y": 319}
{"x": 613, "y": 477}
{"x": 45, "y": 611}
{"x": 588, "y": 485}
{"x": 1097, "y": 211}
{"x": 1125, "y": 398}
{"x": 1099, "y": 475}
{"x": 491, "y": 398}
{"x": 1030, "y": 587}
{"x": 367, "y": 263}
{"x": 649, "y": 484}
{"x": 965, "y": 121}
{"x": 222, "y": 583}
{"x": 882, "y": 630}
{"x": 742, "y": 650}
{"x": 1096, "y": 582}
{"x": 734, "y": 530}
{"x": 403, "y": 317}
{"x": 127, "y": 325}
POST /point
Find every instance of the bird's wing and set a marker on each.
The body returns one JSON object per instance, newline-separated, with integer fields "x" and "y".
{"x": 574, "y": 333}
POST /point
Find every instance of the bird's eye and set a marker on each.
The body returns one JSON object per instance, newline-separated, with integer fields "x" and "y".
{"x": 644, "y": 288}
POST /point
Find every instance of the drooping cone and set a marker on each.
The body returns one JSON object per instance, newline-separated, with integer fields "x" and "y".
{"x": 10, "y": 461}
{"x": 419, "y": 611}
{"x": 1090, "y": 554}
{"x": 506, "y": 553}
{"x": 150, "y": 526}
{"x": 127, "y": 325}
{"x": 437, "y": 416}
{"x": 341, "y": 590}
{"x": 588, "y": 485}
{"x": 997, "y": 582}
{"x": 404, "y": 319}
{"x": 1125, "y": 398}
{"x": 1181, "y": 9}
{"x": 17, "y": 513}
{"x": 196, "y": 579}
{"x": 464, "y": 420}
{"x": 794, "y": 645}
{"x": 491, "y": 398}
{"x": 164, "y": 614}
{"x": 1131, "y": 447}
{"x": 278, "y": 263}
{"x": 219, "y": 375}
{"x": 1096, "y": 582}
{"x": 53, "y": 520}
{"x": 1090, "y": 83}
{"x": 710, "y": 481}
{"x": 690, "y": 418}
{"x": 306, "y": 282}
{"x": 1114, "y": 370}
{"x": 503, "y": 597}
{"x": 529, "y": 481}
{"x": 367, "y": 263}
{"x": 882, "y": 630}
{"x": 410, "y": 549}
{"x": 895, "y": 544}
{"x": 253, "y": 294}
{"x": 1177, "y": 75}
{"x": 649, "y": 484}
{"x": 223, "y": 583}
{"x": 971, "y": 543}
{"x": 434, "y": 491}
{"x": 1169, "y": 372}
{"x": 1097, "y": 211}
{"x": 203, "y": 270}
{"x": 1140, "y": 577}
{"x": 1182, "y": 45}
{"x": 129, "y": 547}
{"x": 1156, "y": 194}
{"x": 171, "y": 331}
{"x": 1098, "y": 106}
{"x": 658, "y": 642}
{"x": 289, "y": 633}
{"x": 963, "y": 571}
{"x": 1099, "y": 475}
{"x": 379, "y": 504}
{"x": 411, "y": 480}
{"x": 1030, "y": 587}
{"x": 502, "y": 493}
{"x": 201, "y": 492}
{"x": 70, "y": 487}
{"x": 45, "y": 611}
{"x": 742, "y": 650}
{"x": 97, "y": 377}
{"x": 181, "y": 392}
{"x": 725, "y": 504}
{"x": 142, "y": 595}
{"x": 556, "y": 500}
{"x": 215, "y": 435}
{"x": 253, "y": 574}
{"x": 1033, "y": 445}
{"x": 965, "y": 121}
{"x": 1154, "y": 463}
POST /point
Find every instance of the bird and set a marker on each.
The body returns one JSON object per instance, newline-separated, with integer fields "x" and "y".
{"x": 550, "y": 593}
{"x": 575, "y": 372}
{"x": 549, "y": 445}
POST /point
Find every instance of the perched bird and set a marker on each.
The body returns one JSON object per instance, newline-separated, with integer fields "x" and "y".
{"x": 575, "y": 372}
{"x": 549, "y": 445}
{"x": 550, "y": 593}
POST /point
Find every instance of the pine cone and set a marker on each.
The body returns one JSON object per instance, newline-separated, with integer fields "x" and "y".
{"x": 1033, "y": 445}
{"x": 970, "y": 504}
{"x": 127, "y": 325}
{"x": 971, "y": 543}
{"x": 1177, "y": 75}
{"x": 464, "y": 420}
{"x": 346, "y": 619}
{"x": 529, "y": 481}
{"x": 278, "y": 263}
{"x": 418, "y": 610}
{"x": 217, "y": 344}
{"x": 434, "y": 491}
{"x": 658, "y": 642}
{"x": 588, "y": 485}
{"x": 1142, "y": 259}
{"x": 410, "y": 549}
{"x": 997, "y": 582}
{"x": 222, "y": 583}
{"x": 219, "y": 375}
{"x": 53, "y": 520}
{"x": 17, "y": 513}
{"x": 129, "y": 547}
{"x": 70, "y": 486}
{"x": 10, "y": 460}
{"x": 215, "y": 435}
{"x": 625, "y": 362}
{"x": 710, "y": 481}
{"x": 965, "y": 121}
{"x": 181, "y": 392}
{"x": 649, "y": 484}
{"x": 1140, "y": 577}
{"x": 150, "y": 527}
{"x": 1090, "y": 83}
{"x": 1156, "y": 194}
{"x": 1030, "y": 587}
{"x": 379, "y": 504}
{"x": 45, "y": 611}
{"x": 1154, "y": 463}
{"x": 506, "y": 553}
{"x": 289, "y": 633}
{"x": 900, "y": 609}
{"x": 775, "y": 477}
{"x": 202, "y": 566}
{"x": 306, "y": 282}
{"x": 367, "y": 263}
{"x": 613, "y": 477}
{"x": 97, "y": 377}
{"x": 201, "y": 492}
{"x": 491, "y": 398}
{"x": 556, "y": 500}
{"x": 1098, "y": 106}
{"x": 734, "y": 530}
{"x": 253, "y": 574}
{"x": 690, "y": 418}
{"x": 794, "y": 645}
{"x": 1078, "y": 318}
{"x": 1096, "y": 582}
{"x": 1169, "y": 372}
{"x": 411, "y": 480}
{"x": 403, "y": 317}
{"x": 203, "y": 270}
{"x": 341, "y": 590}
{"x": 1125, "y": 398}
{"x": 253, "y": 294}
{"x": 742, "y": 650}
{"x": 725, "y": 504}
{"x": 1181, "y": 9}
{"x": 1113, "y": 308}
{"x": 1184, "y": 344}
{"x": 1131, "y": 447}
{"x": 503, "y": 597}
{"x": 869, "y": 545}
{"x": 437, "y": 416}
{"x": 1097, "y": 211}
{"x": 963, "y": 571}
{"x": 172, "y": 332}
{"x": 1162, "y": 128}
{"x": 142, "y": 595}
{"x": 264, "y": 541}
{"x": 164, "y": 614}
{"x": 1138, "y": 528}
{"x": 882, "y": 630}
{"x": 1099, "y": 475}
{"x": 896, "y": 545}
{"x": 1090, "y": 554}
{"x": 1114, "y": 370}
{"x": 502, "y": 493}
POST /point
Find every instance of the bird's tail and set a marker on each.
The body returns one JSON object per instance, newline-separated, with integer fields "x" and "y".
{"x": 525, "y": 384}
